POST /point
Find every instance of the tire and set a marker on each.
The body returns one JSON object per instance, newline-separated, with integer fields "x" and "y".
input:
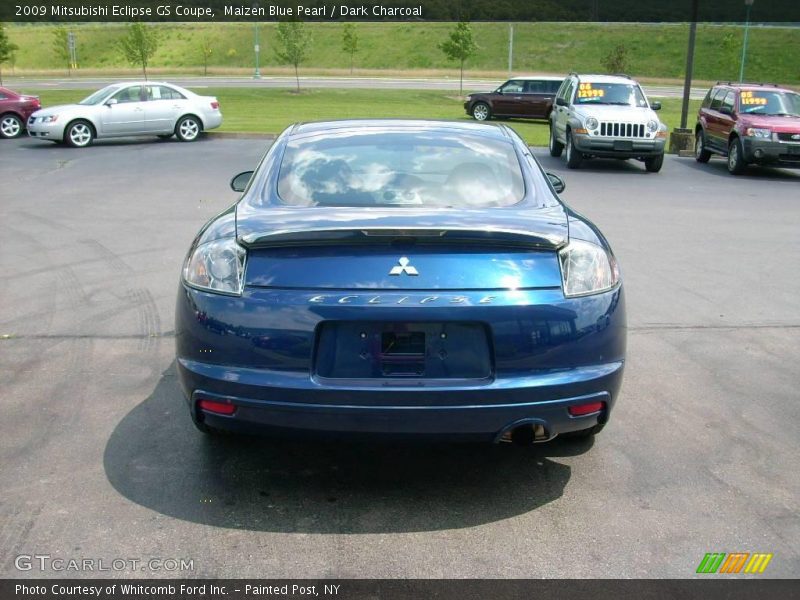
{"x": 574, "y": 157}
{"x": 701, "y": 155}
{"x": 79, "y": 134}
{"x": 653, "y": 164}
{"x": 556, "y": 147}
{"x": 736, "y": 162}
{"x": 11, "y": 126}
{"x": 481, "y": 111}
{"x": 188, "y": 128}
{"x": 583, "y": 434}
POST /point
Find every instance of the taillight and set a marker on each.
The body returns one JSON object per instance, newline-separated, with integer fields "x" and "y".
{"x": 578, "y": 410}
{"x": 215, "y": 105}
{"x": 221, "y": 408}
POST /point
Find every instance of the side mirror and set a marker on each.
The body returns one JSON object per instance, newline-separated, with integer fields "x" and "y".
{"x": 558, "y": 184}
{"x": 240, "y": 181}
{"x": 561, "y": 102}
{"x": 655, "y": 105}
{"x": 111, "y": 102}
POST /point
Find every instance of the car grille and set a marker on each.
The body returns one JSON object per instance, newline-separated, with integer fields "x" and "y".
{"x": 634, "y": 130}
{"x": 789, "y": 137}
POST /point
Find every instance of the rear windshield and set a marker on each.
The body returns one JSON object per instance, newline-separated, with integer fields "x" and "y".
{"x": 436, "y": 168}
{"x": 762, "y": 102}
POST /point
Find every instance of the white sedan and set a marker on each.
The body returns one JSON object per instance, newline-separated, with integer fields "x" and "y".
{"x": 128, "y": 109}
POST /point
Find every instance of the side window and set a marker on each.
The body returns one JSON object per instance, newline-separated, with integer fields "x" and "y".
{"x": 716, "y": 100}
{"x": 513, "y": 87}
{"x": 727, "y": 102}
{"x": 707, "y": 99}
{"x": 569, "y": 91}
{"x": 3, "y": 96}
{"x": 160, "y": 92}
{"x": 553, "y": 86}
{"x": 129, "y": 94}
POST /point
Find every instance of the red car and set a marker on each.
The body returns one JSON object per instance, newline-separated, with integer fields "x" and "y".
{"x": 749, "y": 123}
{"x": 14, "y": 112}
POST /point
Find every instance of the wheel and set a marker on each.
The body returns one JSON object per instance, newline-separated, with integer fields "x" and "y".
{"x": 79, "y": 134}
{"x": 701, "y": 155}
{"x": 10, "y": 126}
{"x": 481, "y": 112}
{"x": 582, "y": 434}
{"x": 556, "y": 147}
{"x": 574, "y": 157}
{"x": 188, "y": 129}
{"x": 165, "y": 136}
{"x": 653, "y": 163}
{"x": 736, "y": 162}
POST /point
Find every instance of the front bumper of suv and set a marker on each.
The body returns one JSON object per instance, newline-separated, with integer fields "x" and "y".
{"x": 607, "y": 147}
{"x": 764, "y": 151}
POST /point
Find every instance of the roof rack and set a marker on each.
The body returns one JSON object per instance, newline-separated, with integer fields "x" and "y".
{"x": 743, "y": 83}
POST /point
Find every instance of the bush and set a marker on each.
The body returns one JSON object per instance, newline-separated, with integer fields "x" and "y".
{"x": 616, "y": 61}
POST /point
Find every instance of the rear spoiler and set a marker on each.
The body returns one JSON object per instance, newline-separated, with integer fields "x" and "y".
{"x": 388, "y": 235}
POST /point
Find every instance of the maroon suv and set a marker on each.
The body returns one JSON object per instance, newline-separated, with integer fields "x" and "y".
{"x": 14, "y": 112}
{"x": 522, "y": 97}
{"x": 749, "y": 123}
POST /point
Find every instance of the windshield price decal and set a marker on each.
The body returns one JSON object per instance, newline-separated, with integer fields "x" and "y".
{"x": 585, "y": 90}
{"x": 749, "y": 98}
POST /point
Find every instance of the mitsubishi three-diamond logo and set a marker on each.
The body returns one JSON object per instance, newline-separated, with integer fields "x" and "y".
{"x": 403, "y": 267}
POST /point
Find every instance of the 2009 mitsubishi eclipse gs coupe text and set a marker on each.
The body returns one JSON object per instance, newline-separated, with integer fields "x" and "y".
{"x": 411, "y": 278}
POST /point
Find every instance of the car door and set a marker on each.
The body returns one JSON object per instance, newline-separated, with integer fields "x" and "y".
{"x": 726, "y": 119}
{"x": 509, "y": 98}
{"x": 164, "y": 106}
{"x": 538, "y": 99}
{"x": 713, "y": 119}
{"x": 560, "y": 116}
{"x": 123, "y": 113}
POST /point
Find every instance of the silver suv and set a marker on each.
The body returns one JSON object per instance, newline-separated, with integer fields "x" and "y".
{"x": 608, "y": 117}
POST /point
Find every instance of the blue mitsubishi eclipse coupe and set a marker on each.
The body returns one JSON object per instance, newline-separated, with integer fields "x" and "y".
{"x": 401, "y": 278}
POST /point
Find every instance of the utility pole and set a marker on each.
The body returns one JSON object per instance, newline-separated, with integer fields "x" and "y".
{"x": 256, "y": 45}
{"x": 749, "y": 5}
{"x": 510, "y": 48}
{"x": 687, "y": 82}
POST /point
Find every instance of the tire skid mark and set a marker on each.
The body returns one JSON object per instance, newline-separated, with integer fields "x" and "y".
{"x": 18, "y": 521}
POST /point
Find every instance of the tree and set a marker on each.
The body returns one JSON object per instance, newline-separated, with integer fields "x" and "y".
{"x": 350, "y": 42}
{"x": 139, "y": 44}
{"x": 7, "y": 50}
{"x": 292, "y": 45}
{"x": 206, "y": 51}
{"x": 61, "y": 47}
{"x": 616, "y": 61}
{"x": 460, "y": 46}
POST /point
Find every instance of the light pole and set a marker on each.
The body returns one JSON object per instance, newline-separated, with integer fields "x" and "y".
{"x": 256, "y": 46}
{"x": 749, "y": 5}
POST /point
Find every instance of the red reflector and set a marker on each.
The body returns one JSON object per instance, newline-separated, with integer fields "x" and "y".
{"x": 222, "y": 408}
{"x": 215, "y": 105}
{"x": 578, "y": 410}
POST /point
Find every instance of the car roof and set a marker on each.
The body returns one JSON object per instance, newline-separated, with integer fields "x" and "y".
{"x": 537, "y": 78}
{"x": 499, "y": 132}
{"x": 597, "y": 78}
{"x": 744, "y": 85}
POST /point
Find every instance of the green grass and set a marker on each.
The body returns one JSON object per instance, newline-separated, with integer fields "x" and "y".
{"x": 654, "y": 50}
{"x": 261, "y": 110}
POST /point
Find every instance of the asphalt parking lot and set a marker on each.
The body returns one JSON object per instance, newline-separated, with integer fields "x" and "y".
{"x": 99, "y": 458}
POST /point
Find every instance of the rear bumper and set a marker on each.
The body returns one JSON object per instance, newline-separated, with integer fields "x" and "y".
{"x": 761, "y": 151}
{"x": 604, "y": 147}
{"x": 268, "y": 400}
